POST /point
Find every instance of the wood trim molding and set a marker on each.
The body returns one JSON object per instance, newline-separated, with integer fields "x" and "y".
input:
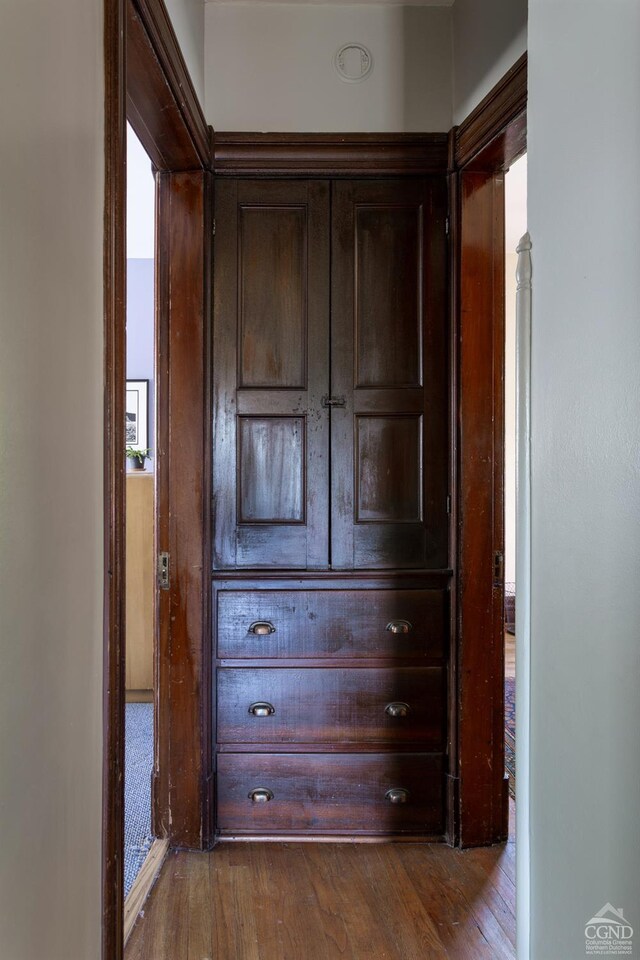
{"x": 181, "y": 787}
{"x": 329, "y": 154}
{"x": 162, "y": 105}
{"x": 494, "y": 115}
{"x": 147, "y": 81}
{"x": 483, "y": 147}
{"x": 480, "y": 613}
{"x": 142, "y": 885}
{"x": 114, "y": 491}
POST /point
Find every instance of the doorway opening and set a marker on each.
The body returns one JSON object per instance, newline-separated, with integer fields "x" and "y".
{"x": 515, "y": 195}
{"x": 140, "y": 605}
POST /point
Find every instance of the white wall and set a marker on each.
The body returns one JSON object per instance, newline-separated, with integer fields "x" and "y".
{"x": 488, "y": 38}
{"x": 187, "y": 18}
{"x": 270, "y": 67}
{"x": 51, "y": 375}
{"x": 584, "y": 216}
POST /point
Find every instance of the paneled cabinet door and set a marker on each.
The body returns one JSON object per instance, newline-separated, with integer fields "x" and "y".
{"x": 389, "y": 361}
{"x": 270, "y": 372}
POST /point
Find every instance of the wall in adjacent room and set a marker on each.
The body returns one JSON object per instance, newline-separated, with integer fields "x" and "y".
{"x": 584, "y": 219}
{"x": 488, "y": 38}
{"x": 140, "y": 274}
{"x": 140, "y": 335}
{"x": 51, "y": 487}
{"x": 269, "y": 67}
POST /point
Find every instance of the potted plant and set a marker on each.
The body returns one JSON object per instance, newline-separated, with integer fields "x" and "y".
{"x": 138, "y": 457}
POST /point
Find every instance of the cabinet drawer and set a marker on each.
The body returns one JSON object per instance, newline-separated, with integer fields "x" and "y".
{"x": 331, "y": 623}
{"x": 310, "y": 705}
{"x": 260, "y": 794}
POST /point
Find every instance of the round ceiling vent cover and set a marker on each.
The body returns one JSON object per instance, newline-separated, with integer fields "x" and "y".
{"x": 353, "y": 61}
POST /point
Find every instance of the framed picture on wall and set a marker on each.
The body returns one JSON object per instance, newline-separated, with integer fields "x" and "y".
{"x": 137, "y": 415}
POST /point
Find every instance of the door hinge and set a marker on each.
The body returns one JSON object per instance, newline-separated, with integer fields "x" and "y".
{"x": 334, "y": 402}
{"x": 163, "y": 571}
{"x": 449, "y": 504}
{"x": 213, "y": 227}
{"x": 446, "y": 226}
{"x": 498, "y": 568}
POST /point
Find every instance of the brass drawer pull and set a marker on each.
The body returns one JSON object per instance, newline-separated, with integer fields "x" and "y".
{"x": 399, "y": 709}
{"x": 399, "y": 626}
{"x": 262, "y": 628}
{"x": 262, "y": 709}
{"x": 397, "y": 795}
{"x": 261, "y": 795}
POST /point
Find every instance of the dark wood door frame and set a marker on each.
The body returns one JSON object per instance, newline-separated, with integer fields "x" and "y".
{"x": 147, "y": 82}
{"x": 482, "y": 148}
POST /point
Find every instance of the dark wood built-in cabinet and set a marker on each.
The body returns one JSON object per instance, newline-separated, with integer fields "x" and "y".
{"x": 330, "y": 507}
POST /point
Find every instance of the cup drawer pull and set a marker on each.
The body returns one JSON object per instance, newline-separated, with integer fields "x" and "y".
{"x": 397, "y": 795}
{"x": 260, "y": 795}
{"x": 399, "y": 709}
{"x": 262, "y": 628}
{"x": 399, "y": 626}
{"x": 262, "y": 709}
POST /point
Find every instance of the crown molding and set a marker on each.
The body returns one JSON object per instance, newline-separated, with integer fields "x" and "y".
{"x": 329, "y": 154}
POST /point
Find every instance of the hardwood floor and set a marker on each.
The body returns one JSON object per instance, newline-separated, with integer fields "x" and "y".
{"x": 324, "y": 901}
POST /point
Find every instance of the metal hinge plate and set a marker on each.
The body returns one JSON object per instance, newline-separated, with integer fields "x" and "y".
{"x": 163, "y": 571}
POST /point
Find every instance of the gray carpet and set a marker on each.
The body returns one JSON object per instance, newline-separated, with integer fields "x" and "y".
{"x": 137, "y": 788}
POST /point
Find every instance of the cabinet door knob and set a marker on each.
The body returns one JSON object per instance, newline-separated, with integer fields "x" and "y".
{"x": 262, "y": 709}
{"x": 262, "y": 628}
{"x": 399, "y": 709}
{"x": 397, "y": 795}
{"x": 261, "y": 795}
{"x": 399, "y": 626}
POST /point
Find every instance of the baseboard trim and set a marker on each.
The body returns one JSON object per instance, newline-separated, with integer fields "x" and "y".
{"x": 334, "y": 838}
{"x": 143, "y": 883}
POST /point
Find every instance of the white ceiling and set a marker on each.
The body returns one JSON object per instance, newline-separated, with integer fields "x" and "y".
{"x": 386, "y": 3}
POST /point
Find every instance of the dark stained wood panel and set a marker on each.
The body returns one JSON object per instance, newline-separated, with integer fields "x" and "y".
{"x": 182, "y": 770}
{"x": 273, "y": 292}
{"x": 481, "y": 510}
{"x": 271, "y": 470}
{"x": 353, "y": 623}
{"x": 388, "y": 295}
{"x": 270, "y": 363}
{"x": 389, "y": 468}
{"x": 312, "y": 705}
{"x": 315, "y": 794}
{"x": 389, "y": 362}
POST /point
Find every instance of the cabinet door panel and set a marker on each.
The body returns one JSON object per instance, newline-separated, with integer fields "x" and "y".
{"x": 389, "y": 443}
{"x": 270, "y": 371}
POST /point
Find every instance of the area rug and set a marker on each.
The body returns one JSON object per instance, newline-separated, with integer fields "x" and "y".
{"x": 137, "y": 788}
{"x": 510, "y": 732}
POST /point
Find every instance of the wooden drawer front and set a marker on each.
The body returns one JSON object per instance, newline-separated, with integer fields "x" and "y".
{"x": 324, "y": 704}
{"x": 330, "y": 794}
{"x": 331, "y": 623}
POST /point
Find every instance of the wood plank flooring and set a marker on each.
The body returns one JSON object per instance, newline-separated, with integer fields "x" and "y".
{"x": 324, "y": 901}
